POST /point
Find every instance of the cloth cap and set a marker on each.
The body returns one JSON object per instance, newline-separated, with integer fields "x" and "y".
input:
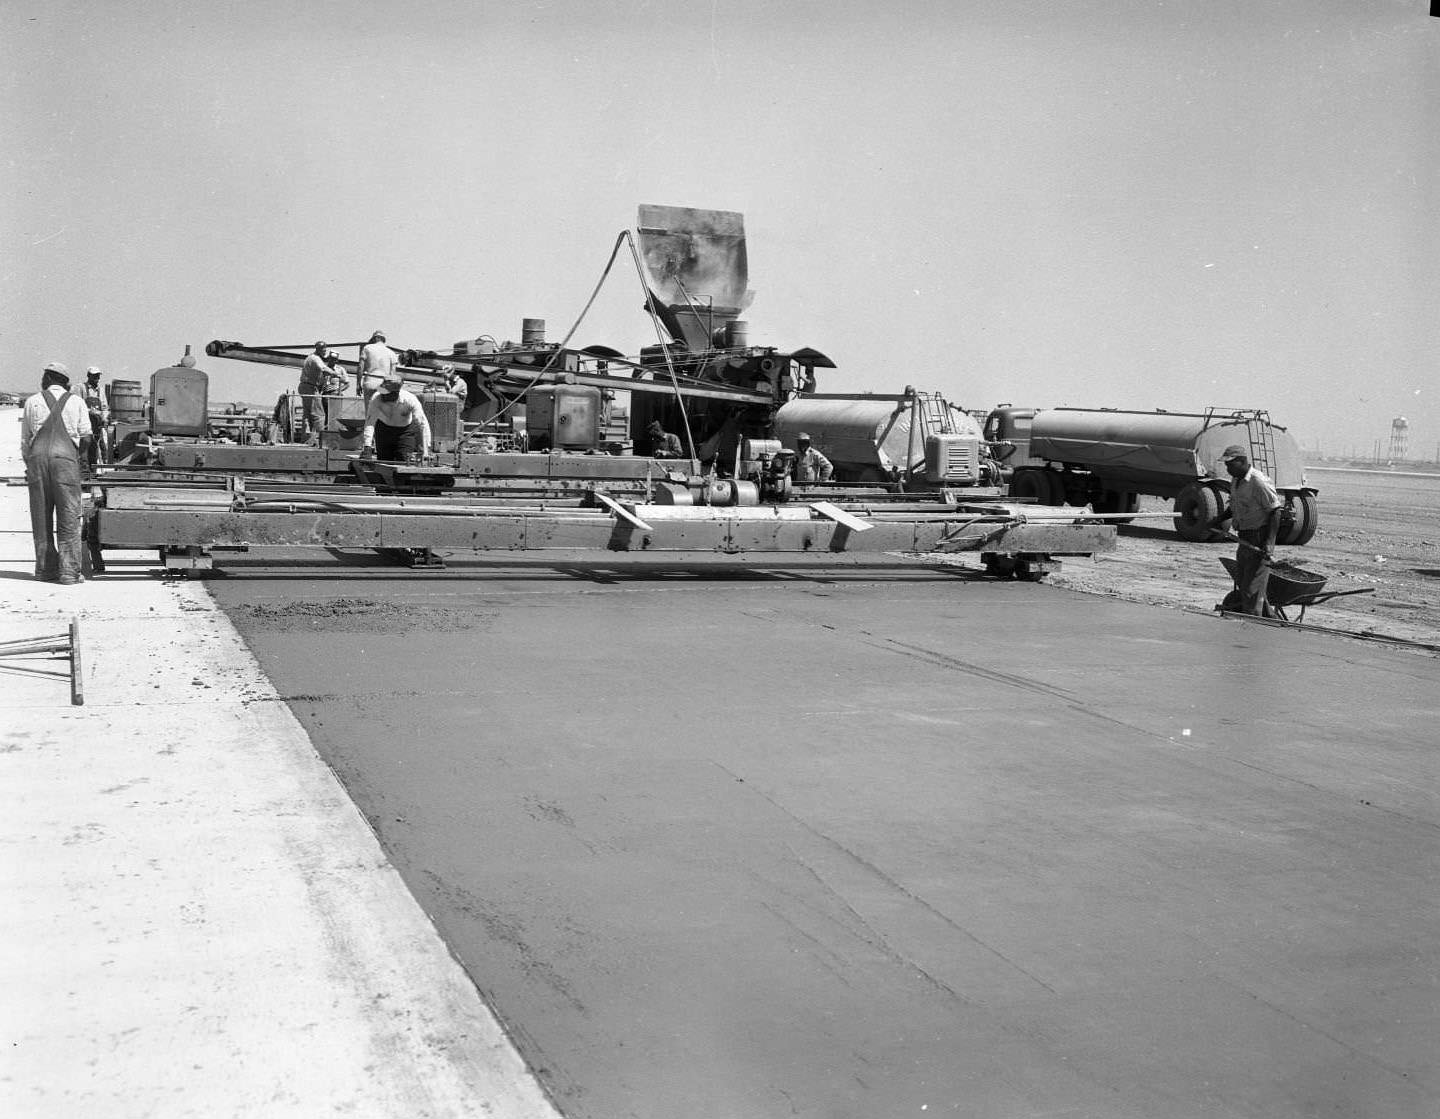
{"x": 1234, "y": 451}
{"x": 803, "y": 437}
{"x": 93, "y": 371}
{"x": 392, "y": 381}
{"x": 319, "y": 345}
{"x": 58, "y": 367}
{"x": 378, "y": 336}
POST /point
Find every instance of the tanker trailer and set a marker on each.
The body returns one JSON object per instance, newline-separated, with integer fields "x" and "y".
{"x": 1108, "y": 457}
{"x": 883, "y": 439}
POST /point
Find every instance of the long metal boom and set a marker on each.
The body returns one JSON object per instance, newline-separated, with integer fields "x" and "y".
{"x": 513, "y": 376}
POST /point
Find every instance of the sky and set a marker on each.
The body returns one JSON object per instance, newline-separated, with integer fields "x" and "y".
{"x": 1097, "y": 203}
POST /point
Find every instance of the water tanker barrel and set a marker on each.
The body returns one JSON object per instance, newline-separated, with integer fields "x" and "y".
{"x": 532, "y": 332}
{"x": 1153, "y": 452}
{"x": 737, "y": 334}
{"x": 127, "y": 402}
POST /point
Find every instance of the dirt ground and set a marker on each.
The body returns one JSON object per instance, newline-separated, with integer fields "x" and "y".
{"x": 1376, "y": 531}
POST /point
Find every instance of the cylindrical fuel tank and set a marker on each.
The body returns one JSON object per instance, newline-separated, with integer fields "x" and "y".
{"x": 1160, "y": 452}
{"x": 862, "y": 436}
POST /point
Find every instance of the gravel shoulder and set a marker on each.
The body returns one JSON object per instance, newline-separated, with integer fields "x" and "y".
{"x": 1378, "y": 532}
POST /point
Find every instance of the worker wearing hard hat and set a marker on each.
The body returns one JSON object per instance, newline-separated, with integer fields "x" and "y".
{"x": 810, "y": 464}
{"x": 99, "y": 416}
{"x": 396, "y": 428}
{"x": 1254, "y": 514}
{"x": 54, "y": 431}
{"x": 377, "y": 361}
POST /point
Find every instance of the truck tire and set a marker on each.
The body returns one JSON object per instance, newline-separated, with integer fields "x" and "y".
{"x": 1113, "y": 502}
{"x": 1307, "y": 518}
{"x": 1195, "y": 507}
{"x": 1036, "y": 483}
{"x": 1292, "y": 520}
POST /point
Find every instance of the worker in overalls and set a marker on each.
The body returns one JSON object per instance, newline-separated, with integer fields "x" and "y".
{"x": 54, "y": 433}
{"x": 99, "y": 417}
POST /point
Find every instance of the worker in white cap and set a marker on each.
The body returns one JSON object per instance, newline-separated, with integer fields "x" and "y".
{"x": 99, "y": 416}
{"x": 810, "y": 464}
{"x": 396, "y": 427}
{"x": 337, "y": 381}
{"x": 54, "y": 433}
{"x": 1254, "y": 513}
{"x": 377, "y": 361}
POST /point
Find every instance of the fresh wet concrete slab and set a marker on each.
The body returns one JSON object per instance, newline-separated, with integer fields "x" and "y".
{"x": 722, "y": 841}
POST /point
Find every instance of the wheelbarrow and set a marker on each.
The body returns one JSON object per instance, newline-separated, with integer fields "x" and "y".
{"x": 1288, "y": 586}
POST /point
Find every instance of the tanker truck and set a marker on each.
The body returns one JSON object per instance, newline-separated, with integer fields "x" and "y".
{"x": 911, "y": 438}
{"x": 1107, "y": 457}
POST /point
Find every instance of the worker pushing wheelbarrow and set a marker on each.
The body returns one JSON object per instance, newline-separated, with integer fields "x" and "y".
{"x": 1254, "y": 513}
{"x": 1264, "y": 586}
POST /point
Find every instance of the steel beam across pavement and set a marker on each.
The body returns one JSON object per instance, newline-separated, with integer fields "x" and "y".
{"x": 597, "y": 531}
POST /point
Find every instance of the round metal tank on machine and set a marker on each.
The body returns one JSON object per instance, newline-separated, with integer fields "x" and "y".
{"x": 864, "y": 439}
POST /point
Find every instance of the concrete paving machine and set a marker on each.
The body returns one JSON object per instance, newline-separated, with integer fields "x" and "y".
{"x": 552, "y": 448}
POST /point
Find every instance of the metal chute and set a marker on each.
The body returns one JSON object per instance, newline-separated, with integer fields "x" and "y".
{"x": 696, "y": 272}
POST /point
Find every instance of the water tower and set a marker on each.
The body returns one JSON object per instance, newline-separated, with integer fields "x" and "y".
{"x": 1399, "y": 438}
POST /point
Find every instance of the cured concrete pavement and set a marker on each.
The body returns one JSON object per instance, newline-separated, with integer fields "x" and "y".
{"x": 854, "y": 845}
{"x": 196, "y": 920}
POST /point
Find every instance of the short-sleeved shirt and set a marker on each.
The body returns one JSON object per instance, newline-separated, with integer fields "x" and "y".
{"x": 377, "y": 360}
{"x": 313, "y": 374}
{"x": 401, "y": 412}
{"x": 1252, "y": 499}
{"x": 74, "y": 417}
